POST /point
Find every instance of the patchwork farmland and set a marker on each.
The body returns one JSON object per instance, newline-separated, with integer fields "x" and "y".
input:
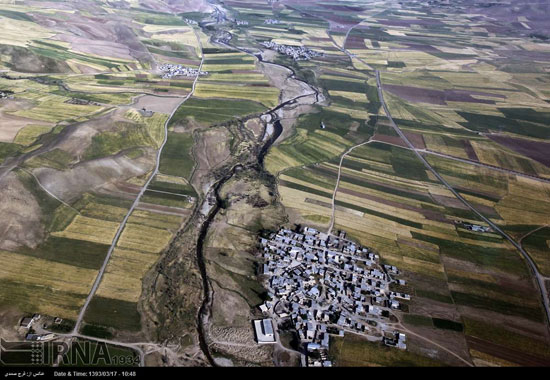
{"x": 135, "y": 196}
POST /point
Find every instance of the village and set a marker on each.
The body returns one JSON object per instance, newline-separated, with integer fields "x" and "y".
{"x": 170, "y": 70}
{"x": 326, "y": 285}
{"x": 298, "y": 53}
{"x": 190, "y": 22}
{"x": 240, "y": 22}
{"x": 272, "y": 21}
{"x": 473, "y": 227}
{"x": 33, "y": 327}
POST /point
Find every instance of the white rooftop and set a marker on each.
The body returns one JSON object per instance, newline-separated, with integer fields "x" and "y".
{"x": 264, "y": 331}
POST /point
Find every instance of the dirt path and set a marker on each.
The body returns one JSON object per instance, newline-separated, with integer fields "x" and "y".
{"x": 99, "y": 277}
{"x": 470, "y": 162}
{"x": 531, "y": 232}
{"x": 332, "y": 218}
{"x": 404, "y": 329}
{"x": 48, "y": 191}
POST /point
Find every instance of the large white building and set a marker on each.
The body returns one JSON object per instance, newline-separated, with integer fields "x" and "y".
{"x": 264, "y": 331}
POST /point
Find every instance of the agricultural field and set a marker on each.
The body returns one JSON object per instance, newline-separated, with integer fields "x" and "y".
{"x": 235, "y": 76}
{"x": 145, "y": 235}
{"x": 209, "y": 112}
{"x": 387, "y": 199}
{"x": 77, "y": 241}
{"x": 390, "y": 120}
{"x": 85, "y": 114}
{"x": 353, "y": 351}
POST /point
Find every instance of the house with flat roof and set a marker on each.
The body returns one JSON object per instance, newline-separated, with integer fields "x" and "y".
{"x": 27, "y": 322}
{"x": 264, "y": 331}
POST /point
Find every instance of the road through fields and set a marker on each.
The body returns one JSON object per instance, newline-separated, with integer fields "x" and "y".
{"x": 538, "y": 277}
{"x": 99, "y": 277}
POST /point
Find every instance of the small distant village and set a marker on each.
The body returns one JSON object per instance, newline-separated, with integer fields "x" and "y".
{"x": 82, "y": 102}
{"x": 269, "y": 21}
{"x": 472, "y": 227}
{"x": 272, "y": 21}
{"x": 298, "y": 53}
{"x": 170, "y": 70}
{"x": 322, "y": 285}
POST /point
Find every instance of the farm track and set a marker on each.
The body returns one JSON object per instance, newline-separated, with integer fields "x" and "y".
{"x": 520, "y": 240}
{"x": 14, "y": 162}
{"x": 48, "y": 191}
{"x": 470, "y": 162}
{"x": 331, "y": 225}
{"x": 404, "y": 329}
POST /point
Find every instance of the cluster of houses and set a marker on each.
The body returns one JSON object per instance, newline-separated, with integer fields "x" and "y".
{"x": 473, "y": 227}
{"x": 170, "y": 70}
{"x": 240, "y": 22}
{"x": 298, "y": 53}
{"x": 27, "y": 323}
{"x": 327, "y": 285}
{"x": 191, "y": 22}
{"x": 82, "y": 102}
{"x": 272, "y": 21}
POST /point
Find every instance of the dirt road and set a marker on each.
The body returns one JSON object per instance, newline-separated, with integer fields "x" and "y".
{"x": 332, "y": 218}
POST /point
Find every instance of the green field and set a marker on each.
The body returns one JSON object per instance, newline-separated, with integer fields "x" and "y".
{"x": 212, "y": 111}
{"x": 355, "y": 351}
{"x": 176, "y": 158}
